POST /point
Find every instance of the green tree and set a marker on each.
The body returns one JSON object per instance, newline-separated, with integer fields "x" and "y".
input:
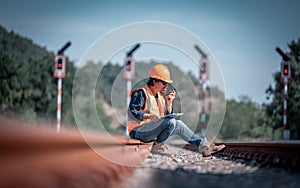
{"x": 274, "y": 109}
{"x": 243, "y": 121}
{"x": 26, "y": 79}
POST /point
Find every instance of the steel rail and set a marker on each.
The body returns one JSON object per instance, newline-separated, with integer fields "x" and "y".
{"x": 278, "y": 153}
{"x": 40, "y": 157}
{"x": 284, "y": 154}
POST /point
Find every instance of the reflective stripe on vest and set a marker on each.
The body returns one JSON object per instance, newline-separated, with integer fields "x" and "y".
{"x": 148, "y": 105}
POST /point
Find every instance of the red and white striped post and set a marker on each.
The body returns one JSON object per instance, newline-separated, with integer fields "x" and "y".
{"x": 285, "y": 73}
{"x": 59, "y": 97}
{"x": 60, "y": 73}
{"x": 285, "y": 94}
{"x": 128, "y": 91}
{"x": 286, "y": 131}
{"x": 285, "y": 79}
{"x": 203, "y": 78}
{"x": 129, "y": 74}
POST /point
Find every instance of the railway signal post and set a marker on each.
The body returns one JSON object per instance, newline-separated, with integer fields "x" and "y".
{"x": 59, "y": 73}
{"x": 203, "y": 78}
{"x": 129, "y": 74}
{"x": 285, "y": 79}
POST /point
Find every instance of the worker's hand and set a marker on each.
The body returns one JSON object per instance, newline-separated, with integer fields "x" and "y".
{"x": 170, "y": 96}
{"x": 154, "y": 118}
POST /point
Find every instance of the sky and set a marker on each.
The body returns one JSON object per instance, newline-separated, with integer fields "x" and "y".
{"x": 241, "y": 35}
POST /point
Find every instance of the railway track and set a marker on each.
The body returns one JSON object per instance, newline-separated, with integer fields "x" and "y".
{"x": 284, "y": 154}
{"x": 189, "y": 168}
{"x": 39, "y": 157}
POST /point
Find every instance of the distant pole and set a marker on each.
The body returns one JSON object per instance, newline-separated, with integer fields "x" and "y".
{"x": 60, "y": 73}
{"x": 59, "y": 94}
{"x": 285, "y": 95}
{"x": 129, "y": 74}
{"x": 285, "y": 79}
{"x": 203, "y": 78}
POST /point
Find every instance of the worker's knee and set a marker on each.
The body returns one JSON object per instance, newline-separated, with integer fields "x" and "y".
{"x": 170, "y": 123}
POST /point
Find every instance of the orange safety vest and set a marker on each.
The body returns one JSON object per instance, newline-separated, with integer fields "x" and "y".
{"x": 152, "y": 105}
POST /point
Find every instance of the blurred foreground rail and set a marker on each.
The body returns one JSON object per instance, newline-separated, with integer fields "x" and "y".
{"x": 39, "y": 157}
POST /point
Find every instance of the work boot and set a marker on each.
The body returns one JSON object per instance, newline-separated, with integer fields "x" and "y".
{"x": 207, "y": 149}
{"x": 161, "y": 149}
{"x": 212, "y": 149}
{"x": 205, "y": 146}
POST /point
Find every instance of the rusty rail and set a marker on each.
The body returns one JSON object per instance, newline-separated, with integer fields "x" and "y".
{"x": 276, "y": 153}
{"x": 285, "y": 154}
{"x": 39, "y": 157}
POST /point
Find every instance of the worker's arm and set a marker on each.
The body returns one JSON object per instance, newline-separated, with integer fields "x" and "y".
{"x": 137, "y": 102}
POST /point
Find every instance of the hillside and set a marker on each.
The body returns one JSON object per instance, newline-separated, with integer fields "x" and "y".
{"x": 19, "y": 48}
{"x": 28, "y": 88}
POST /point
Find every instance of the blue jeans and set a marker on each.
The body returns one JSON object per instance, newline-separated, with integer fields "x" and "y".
{"x": 163, "y": 129}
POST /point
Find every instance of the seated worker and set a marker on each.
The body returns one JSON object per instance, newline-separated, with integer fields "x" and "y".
{"x": 148, "y": 104}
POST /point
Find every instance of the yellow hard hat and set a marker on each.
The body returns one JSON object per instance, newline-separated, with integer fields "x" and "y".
{"x": 161, "y": 72}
